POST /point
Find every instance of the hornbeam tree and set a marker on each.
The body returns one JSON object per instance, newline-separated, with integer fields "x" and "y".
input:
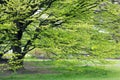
{"x": 63, "y": 28}
{"x": 15, "y": 17}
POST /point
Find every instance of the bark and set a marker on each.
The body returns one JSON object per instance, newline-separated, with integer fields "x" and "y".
{"x": 17, "y": 47}
{"x": 3, "y": 60}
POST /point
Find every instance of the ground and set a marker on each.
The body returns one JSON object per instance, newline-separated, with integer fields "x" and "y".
{"x": 49, "y": 70}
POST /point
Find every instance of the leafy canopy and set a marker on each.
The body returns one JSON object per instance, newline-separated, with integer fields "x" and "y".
{"x": 62, "y": 28}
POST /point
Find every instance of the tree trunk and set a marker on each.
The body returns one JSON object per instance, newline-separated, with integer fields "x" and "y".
{"x": 1, "y": 56}
{"x": 18, "y": 58}
{"x": 17, "y": 49}
{"x": 3, "y": 60}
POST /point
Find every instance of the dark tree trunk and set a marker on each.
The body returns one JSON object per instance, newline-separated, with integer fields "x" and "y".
{"x": 17, "y": 47}
{"x": 3, "y": 60}
{"x": 17, "y": 59}
{"x": 1, "y": 56}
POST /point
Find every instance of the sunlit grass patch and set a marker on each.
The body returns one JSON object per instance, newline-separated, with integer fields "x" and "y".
{"x": 61, "y": 71}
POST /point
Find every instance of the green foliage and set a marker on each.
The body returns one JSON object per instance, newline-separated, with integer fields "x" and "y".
{"x": 76, "y": 41}
{"x": 63, "y": 29}
{"x": 14, "y": 63}
{"x": 108, "y": 19}
{"x": 3, "y": 67}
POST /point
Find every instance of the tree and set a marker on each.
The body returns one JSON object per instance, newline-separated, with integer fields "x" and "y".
{"x": 53, "y": 26}
{"x": 16, "y": 16}
{"x": 107, "y": 20}
{"x": 92, "y": 41}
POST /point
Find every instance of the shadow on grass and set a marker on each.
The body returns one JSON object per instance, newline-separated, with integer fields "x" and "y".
{"x": 78, "y": 73}
{"x": 50, "y": 70}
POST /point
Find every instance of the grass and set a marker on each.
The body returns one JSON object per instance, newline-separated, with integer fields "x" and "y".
{"x": 66, "y": 72}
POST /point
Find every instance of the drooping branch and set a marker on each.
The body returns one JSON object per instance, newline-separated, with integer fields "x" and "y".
{"x": 37, "y": 30}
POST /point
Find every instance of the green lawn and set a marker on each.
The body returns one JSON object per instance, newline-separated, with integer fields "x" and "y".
{"x": 66, "y": 72}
